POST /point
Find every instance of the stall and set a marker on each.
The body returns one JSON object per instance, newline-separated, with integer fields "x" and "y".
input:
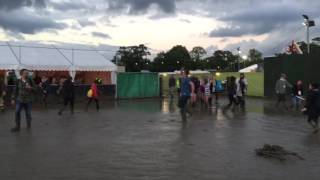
{"x": 83, "y": 63}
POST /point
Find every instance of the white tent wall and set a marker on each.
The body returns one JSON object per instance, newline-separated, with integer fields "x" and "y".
{"x": 42, "y": 57}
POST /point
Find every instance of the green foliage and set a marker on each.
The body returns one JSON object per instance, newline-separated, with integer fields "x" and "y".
{"x": 174, "y": 59}
{"x": 134, "y": 58}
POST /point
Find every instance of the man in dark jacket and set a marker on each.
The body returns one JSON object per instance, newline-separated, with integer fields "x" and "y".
{"x": 282, "y": 86}
{"x": 312, "y": 107}
{"x": 67, "y": 91}
{"x": 44, "y": 85}
{"x": 22, "y": 97}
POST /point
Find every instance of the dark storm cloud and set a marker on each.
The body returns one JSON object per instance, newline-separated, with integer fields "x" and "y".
{"x": 141, "y": 6}
{"x": 257, "y": 21}
{"x": 100, "y": 35}
{"x": 67, "y": 6}
{"x": 27, "y": 23}
{"x": 15, "y": 4}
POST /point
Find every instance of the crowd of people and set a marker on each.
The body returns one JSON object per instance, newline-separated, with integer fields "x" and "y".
{"x": 309, "y": 103}
{"x": 25, "y": 88}
{"x": 205, "y": 91}
{"x": 191, "y": 91}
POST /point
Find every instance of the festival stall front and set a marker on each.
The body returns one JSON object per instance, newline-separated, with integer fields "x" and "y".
{"x": 83, "y": 64}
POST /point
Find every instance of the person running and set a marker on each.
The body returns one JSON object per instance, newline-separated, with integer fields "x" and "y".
{"x": 232, "y": 91}
{"x": 44, "y": 86}
{"x": 22, "y": 97}
{"x": 282, "y": 86}
{"x": 312, "y": 106}
{"x": 172, "y": 86}
{"x": 297, "y": 94}
{"x": 2, "y": 93}
{"x": 186, "y": 92}
{"x": 93, "y": 95}
{"x": 242, "y": 87}
{"x": 67, "y": 92}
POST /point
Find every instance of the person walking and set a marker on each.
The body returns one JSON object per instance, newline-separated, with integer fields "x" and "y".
{"x": 312, "y": 106}
{"x": 207, "y": 92}
{"x": 44, "y": 86}
{"x": 202, "y": 90}
{"x": 93, "y": 95}
{"x": 242, "y": 87}
{"x": 297, "y": 94}
{"x": 172, "y": 86}
{"x": 2, "y": 94}
{"x": 22, "y": 98}
{"x": 67, "y": 92}
{"x": 216, "y": 88}
{"x": 186, "y": 92}
{"x": 282, "y": 86}
{"x": 232, "y": 91}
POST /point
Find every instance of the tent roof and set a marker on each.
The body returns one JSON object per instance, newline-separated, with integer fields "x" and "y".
{"x": 44, "y": 57}
{"x": 249, "y": 69}
{"x": 7, "y": 58}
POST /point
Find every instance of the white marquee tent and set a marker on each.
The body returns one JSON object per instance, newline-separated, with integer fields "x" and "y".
{"x": 41, "y": 57}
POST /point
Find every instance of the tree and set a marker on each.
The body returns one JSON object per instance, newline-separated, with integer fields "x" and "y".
{"x": 134, "y": 58}
{"x": 197, "y": 54}
{"x": 158, "y": 64}
{"x": 221, "y": 60}
{"x": 255, "y": 56}
{"x": 176, "y": 58}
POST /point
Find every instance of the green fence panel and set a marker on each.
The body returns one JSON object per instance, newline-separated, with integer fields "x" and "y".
{"x": 137, "y": 85}
{"x": 297, "y": 67}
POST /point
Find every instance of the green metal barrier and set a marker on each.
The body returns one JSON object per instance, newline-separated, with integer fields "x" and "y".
{"x": 297, "y": 67}
{"x": 138, "y": 85}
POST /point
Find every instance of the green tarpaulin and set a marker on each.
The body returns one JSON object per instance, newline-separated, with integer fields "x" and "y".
{"x": 138, "y": 85}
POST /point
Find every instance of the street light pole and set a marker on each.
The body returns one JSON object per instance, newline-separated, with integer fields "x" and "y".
{"x": 308, "y": 36}
{"x": 308, "y": 23}
{"x": 239, "y": 56}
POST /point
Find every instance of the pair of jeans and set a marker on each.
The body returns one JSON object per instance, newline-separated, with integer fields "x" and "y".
{"x": 296, "y": 102}
{"x": 27, "y": 106}
{"x": 183, "y": 105}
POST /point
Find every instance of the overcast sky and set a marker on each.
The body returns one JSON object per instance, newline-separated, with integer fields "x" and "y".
{"x": 268, "y": 25}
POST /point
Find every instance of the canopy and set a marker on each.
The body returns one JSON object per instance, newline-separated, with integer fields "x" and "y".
{"x": 42, "y": 57}
{"x": 252, "y": 68}
{"x": 7, "y": 58}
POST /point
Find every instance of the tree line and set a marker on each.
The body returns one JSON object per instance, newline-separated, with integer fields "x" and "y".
{"x": 137, "y": 58}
